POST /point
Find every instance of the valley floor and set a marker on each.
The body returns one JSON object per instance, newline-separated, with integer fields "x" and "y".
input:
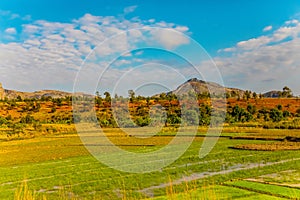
{"x": 59, "y": 167}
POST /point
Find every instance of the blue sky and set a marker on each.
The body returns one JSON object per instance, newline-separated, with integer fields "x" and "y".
{"x": 240, "y": 36}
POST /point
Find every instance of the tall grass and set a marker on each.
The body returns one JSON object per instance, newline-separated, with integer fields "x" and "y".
{"x": 190, "y": 192}
{"x": 23, "y": 193}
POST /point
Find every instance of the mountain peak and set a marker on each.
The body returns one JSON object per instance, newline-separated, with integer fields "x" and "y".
{"x": 195, "y": 80}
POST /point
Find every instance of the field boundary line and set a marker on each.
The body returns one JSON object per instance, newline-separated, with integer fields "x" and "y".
{"x": 257, "y": 191}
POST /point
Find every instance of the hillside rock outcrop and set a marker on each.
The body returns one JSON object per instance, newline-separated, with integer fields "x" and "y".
{"x": 2, "y": 92}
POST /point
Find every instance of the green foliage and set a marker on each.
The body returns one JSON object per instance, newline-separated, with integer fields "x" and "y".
{"x": 276, "y": 115}
{"x": 57, "y": 101}
{"x": 107, "y": 97}
{"x": 53, "y": 109}
{"x": 173, "y": 119}
{"x": 251, "y": 109}
{"x": 65, "y": 165}
{"x": 275, "y": 190}
{"x": 191, "y": 117}
{"x": 19, "y": 98}
{"x": 142, "y": 121}
{"x": 298, "y": 112}
{"x": 28, "y": 119}
{"x": 3, "y": 120}
{"x": 286, "y": 114}
{"x": 16, "y": 129}
{"x": 247, "y": 95}
{"x": 240, "y": 115}
{"x": 131, "y": 94}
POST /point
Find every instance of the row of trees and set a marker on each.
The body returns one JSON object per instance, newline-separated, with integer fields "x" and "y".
{"x": 239, "y": 114}
{"x": 141, "y": 112}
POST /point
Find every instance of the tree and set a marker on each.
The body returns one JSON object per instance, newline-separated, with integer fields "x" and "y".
{"x": 19, "y": 98}
{"x": 286, "y": 92}
{"x": 251, "y": 109}
{"x": 233, "y": 93}
{"x": 2, "y": 120}
{"x": 191, "y": 117}
{"x": 28, "y": 119}
{"x": 98, "y": 99}
{"x": 276, "y": 115}
{"x": 131, "y": 94}
{"x": 247, "y": 95}
{"x": 162, "y": 96}
{"x": 237, "y": 113}
{"x": 254, "y": 95}
{"x": 107, "y": 96}
{"x": 286, "y": 114}
{"x": 298, "y": 112}
{"x": 53, "y": 109}
{"x": 279, "y": 107}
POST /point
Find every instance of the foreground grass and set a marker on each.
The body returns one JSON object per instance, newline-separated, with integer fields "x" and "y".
{"x": 275, "y": 190}
{"x": 56, "y": 163}
{"x": 218, "y": 192}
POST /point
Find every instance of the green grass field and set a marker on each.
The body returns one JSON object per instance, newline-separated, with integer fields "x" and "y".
{"x": 56, "y": 164}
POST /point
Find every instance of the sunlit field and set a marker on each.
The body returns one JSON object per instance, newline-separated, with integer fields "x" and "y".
{"x": 58, "y": 166}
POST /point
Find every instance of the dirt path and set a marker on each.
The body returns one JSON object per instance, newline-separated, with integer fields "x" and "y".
{"x": 149, "y": 191}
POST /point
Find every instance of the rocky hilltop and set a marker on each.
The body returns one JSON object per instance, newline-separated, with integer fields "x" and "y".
{"x": 201, "y": 87}
{"x": 272, "y": 94}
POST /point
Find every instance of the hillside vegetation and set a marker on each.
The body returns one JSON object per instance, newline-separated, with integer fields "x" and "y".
{"x": 19, "y": 116}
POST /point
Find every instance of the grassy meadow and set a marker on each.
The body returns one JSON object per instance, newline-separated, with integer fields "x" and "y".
{"x": 58, "y": 166}
{"x": 256, "y": 156}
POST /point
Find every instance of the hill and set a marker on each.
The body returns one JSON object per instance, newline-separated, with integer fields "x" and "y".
{"x": 198, "y": 86}
{"x": 202, "y": 87}
{"x": 272, "y": 94}
{"x": 13, "y": 94}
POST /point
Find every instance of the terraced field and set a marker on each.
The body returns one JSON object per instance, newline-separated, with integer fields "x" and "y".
{"x": 60, "y": 164}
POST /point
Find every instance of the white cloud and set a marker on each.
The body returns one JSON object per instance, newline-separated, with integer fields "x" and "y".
{"x": 265, "y": 63}
{"x": 9, "y": 15}
{"x": 229, "y": 49}
{"x": 267, "y": 28}
{"x": 27, "y": 18}
{"x": 293, "y": 21}
{"x": 130, "y": 9}
{"x": 169, "y": 38}
{"x": 253, "y": 43}
{"x": 11, "y": 31}
{"x": 182, "y": 28}
{"x": 14, "y": 16}
{"x": 51, "y": 53}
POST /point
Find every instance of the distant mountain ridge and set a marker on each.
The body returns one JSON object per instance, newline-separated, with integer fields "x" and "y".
{"x": 13, "y": 94}
{"x": 198, "y": 86}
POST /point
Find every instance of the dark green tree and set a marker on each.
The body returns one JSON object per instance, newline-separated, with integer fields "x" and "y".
{"x": 276, "y": 115}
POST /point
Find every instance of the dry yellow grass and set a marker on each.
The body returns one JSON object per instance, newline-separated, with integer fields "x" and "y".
{"x": 276, "y": 146}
